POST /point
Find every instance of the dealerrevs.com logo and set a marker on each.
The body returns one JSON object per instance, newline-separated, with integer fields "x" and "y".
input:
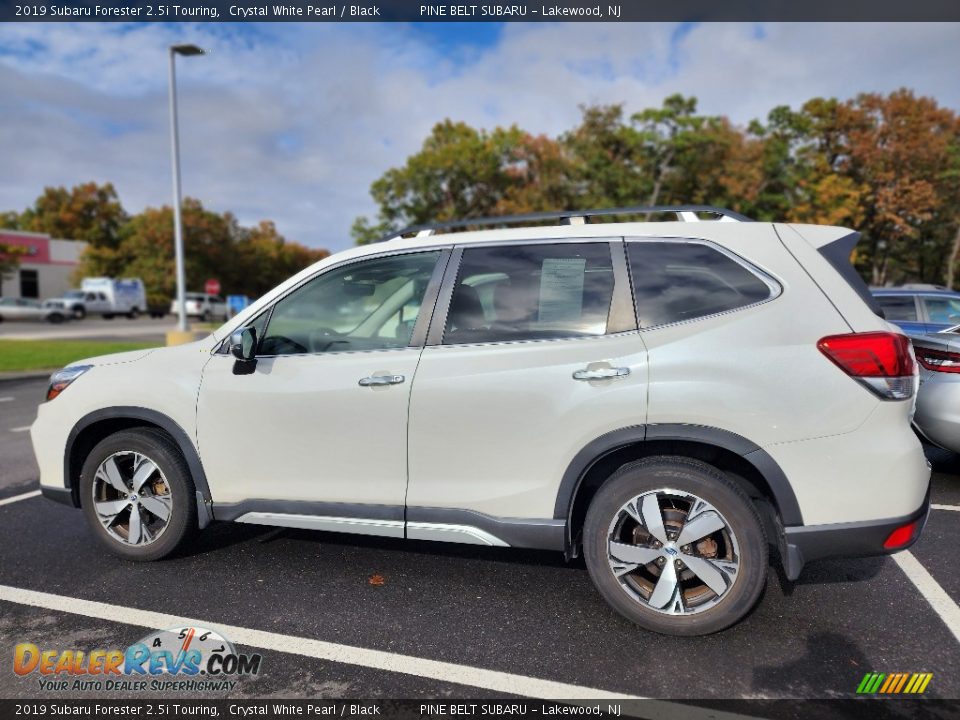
{"x": 190, "y": 659}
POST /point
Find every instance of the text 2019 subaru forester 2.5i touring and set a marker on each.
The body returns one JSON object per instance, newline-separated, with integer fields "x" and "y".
{"x": 666, "y": 398}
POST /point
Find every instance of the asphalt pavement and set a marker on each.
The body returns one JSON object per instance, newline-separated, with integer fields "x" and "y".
{"x": 419, "y": 620}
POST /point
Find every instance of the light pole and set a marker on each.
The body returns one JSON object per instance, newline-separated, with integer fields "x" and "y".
{"x": 186, "y": 51}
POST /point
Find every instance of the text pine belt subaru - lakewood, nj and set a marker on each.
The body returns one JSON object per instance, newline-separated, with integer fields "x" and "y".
{"x": 678, "y": 401}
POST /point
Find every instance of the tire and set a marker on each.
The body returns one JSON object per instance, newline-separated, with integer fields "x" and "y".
{"x": 205, "y": 317}
{"x": 134, "y": 313}
{"x": 80, "y": 313}
{"x": 55, "y": 318}
{"x": 733, "y": 557}
{"x": 171, "y": 475}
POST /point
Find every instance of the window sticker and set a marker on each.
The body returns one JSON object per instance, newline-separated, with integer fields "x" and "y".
{"x": 561, "y": 289}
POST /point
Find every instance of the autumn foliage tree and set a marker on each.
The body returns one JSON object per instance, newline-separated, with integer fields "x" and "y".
{"x": 886, "y": 165}
{"x": 247, "y": 261}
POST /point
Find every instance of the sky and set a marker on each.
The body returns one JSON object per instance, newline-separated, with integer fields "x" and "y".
{"x": 293, "y": 122}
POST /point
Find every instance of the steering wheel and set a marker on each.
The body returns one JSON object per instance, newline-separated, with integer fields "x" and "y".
{"x": 322, "y": 338}
{"x": 280, "y": 345}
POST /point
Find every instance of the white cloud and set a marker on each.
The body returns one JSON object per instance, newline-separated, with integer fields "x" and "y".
{"x": 293, "y": 122}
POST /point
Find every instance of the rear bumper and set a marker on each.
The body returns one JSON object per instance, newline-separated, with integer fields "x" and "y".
{"x": 806, "y": 543}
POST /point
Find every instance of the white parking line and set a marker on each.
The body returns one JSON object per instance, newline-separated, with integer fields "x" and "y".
{"x": 377, "y": 659}
{"x": 18, "y": 498}
{"x": 955, "y": 508}
{"x": 6, "y": 399}
{"x": 941, "y": 603}
{"x": 20, "y": 429}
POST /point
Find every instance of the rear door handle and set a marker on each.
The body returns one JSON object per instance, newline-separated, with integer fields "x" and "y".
{"x": 601, "y": 373}
{"x": 381, "y": 380}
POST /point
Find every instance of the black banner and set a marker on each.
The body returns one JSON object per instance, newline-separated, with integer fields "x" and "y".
{"x": 445, "y": 11}
{"x": 137, "y": 709}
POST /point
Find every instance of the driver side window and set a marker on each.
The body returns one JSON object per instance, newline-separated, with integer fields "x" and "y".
{"x": 368, "y": 305}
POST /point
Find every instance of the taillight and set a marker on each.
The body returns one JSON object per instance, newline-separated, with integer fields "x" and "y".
{"x": 881, "y": 361}
{"x": 938, "y": 360}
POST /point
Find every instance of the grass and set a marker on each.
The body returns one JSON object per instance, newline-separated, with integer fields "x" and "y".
{"x": 22, "y": 355}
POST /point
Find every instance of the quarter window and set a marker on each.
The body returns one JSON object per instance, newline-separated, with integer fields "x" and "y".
{"x": 675, "y": 281}
{"x": 369, "y": 305}
{"x": 530, "y": 292}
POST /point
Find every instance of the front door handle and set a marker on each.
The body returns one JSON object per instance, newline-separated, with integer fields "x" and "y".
{"x": 381, "y": 380}
{"x": 601, "y": 373}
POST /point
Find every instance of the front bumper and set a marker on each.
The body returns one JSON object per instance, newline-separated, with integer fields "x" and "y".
{"x": 806, "y": 543}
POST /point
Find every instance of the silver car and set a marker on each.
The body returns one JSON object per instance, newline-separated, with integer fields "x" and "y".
{"x": 938, "y": 401}
{"x": 26, "y": 309}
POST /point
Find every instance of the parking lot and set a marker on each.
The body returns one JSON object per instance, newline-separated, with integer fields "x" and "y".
{"x": 348, "y": 616}
{"x": 91, "y": 328}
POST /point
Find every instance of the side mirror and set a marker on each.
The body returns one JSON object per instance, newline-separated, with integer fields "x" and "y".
{"x": 243, "y": 346}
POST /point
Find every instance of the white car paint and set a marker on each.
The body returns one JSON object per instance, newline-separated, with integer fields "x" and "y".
{"x": 490, "y": 428}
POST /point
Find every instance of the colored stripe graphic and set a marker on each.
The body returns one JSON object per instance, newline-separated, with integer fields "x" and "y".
{"x": 894, "y": 683}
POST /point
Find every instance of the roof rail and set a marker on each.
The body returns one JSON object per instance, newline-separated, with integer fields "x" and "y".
{"x": 684, "y": 213}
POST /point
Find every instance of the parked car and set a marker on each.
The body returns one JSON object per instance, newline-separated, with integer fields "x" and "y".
{"x": 919, "y": 309}
{"x": 203, "y": 306}
{"x": 76, "y": 301}
{"x": 25, "y": 309}
{"x": 58, "y": 310}
{"x": 668, "y": 400}
{"x": 938, "y": 399}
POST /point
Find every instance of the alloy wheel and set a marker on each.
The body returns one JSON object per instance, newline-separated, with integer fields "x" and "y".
{"x": 673, "y": 552}
{"x": 132, "y": 498}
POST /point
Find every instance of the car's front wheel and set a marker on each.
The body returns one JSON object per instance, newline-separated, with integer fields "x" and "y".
{"x": 675, "y": 546}
{"x": 137, "y": 494}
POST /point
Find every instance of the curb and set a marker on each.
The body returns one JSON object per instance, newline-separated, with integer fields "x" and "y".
{"x": 26, "y": 375}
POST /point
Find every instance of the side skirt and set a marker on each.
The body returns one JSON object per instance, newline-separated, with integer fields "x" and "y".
{"x": 435, "y": 524}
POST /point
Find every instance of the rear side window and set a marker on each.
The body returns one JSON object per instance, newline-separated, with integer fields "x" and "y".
{"x": 675, "y": 281}
{"x": 898, "y": 307}
{"x": 530, "y": 292}
{"x": 942, "y": 310}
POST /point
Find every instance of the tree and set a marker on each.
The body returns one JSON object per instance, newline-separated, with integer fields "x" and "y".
{"x": 461, "y": 172}
{"x": 10, "y": 258}
{"x": 87, "y": 212}
{"x": 246, "y": 261}
{"x": 887, "y": 165}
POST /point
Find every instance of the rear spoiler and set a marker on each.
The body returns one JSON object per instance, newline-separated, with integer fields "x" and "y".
{"x": 837, "y": 253}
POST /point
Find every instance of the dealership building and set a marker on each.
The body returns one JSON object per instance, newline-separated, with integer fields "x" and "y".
{"x": 45, "y": 270}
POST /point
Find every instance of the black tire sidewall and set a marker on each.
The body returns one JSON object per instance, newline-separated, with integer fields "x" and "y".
{"x": 158, "y": 447}
{"x": 707, "y": 483}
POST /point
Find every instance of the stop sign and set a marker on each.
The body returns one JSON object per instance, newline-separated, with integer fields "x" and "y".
{"x": 212, "y": 287}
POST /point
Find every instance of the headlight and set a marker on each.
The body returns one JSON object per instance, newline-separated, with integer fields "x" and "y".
{"x": 61, "y": 379}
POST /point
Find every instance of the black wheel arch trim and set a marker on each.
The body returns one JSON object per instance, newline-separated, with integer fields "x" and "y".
{"x": 153, "y": 417}
{"x": 596, "y": 450}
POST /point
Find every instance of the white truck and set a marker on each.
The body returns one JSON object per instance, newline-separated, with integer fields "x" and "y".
{"x": 109, "y": 297}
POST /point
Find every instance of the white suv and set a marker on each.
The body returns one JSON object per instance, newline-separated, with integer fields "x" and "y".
{"x": 203, "y": 306}
{"x": 666, "y": 398}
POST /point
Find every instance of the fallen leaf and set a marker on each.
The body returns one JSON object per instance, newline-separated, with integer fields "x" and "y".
{"x": 377, "y": 580}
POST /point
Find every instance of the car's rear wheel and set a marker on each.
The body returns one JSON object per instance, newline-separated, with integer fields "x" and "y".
{"x": 55, "y": 318}
{"x": 675, "y": 546}
{"x": 80, "y": 312}
{"x": 138, "y": 495}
